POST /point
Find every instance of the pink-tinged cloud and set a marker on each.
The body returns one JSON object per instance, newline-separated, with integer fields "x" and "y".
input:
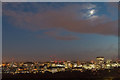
{"x": 67, "y": 18}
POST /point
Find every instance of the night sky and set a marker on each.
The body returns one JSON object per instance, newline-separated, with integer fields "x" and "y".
{"x": 46, "y": 31}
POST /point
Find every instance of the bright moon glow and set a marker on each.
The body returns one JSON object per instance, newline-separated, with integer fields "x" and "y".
{"x": 92, "y": 12}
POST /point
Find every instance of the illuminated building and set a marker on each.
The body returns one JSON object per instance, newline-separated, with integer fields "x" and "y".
{"x": 100, "y": 60}
{"x": 78, "y": 62}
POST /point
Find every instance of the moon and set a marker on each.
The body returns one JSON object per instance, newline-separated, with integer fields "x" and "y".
{"x": 92, "y": 12}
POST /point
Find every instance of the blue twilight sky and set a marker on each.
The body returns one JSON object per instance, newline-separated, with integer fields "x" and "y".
{"x": 45, "y": 31}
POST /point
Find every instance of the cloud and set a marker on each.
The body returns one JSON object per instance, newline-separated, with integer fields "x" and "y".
{"x": 68, "y": 18}
{"x": 59, "y": 36}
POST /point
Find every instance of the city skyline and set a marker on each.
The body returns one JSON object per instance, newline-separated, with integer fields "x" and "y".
{"x": 58, "y": 66}
{"x": 67, "y": 31}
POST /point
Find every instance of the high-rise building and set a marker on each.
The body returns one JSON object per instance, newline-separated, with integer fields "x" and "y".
{"x": 100, "y": 60}
{"x": 78, "y": 62}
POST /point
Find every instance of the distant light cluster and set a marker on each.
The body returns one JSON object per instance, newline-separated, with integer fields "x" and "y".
{"x": 58, "y": 66}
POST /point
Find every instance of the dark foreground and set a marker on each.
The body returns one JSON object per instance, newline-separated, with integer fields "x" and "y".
{"x": 74, "y": 75}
